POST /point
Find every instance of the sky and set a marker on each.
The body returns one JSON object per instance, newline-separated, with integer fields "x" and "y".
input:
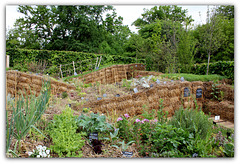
{"x": 129, "y": 13}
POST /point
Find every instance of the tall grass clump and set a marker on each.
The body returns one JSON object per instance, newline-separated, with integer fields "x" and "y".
{"x": 25, "y": 113}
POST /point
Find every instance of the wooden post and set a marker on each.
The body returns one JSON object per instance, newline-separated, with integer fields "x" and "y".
{"x": 61, "y": 70}
{"x": 99, "y": 61}
{"x": 96, "y": 63}
{"x": 73, "y": 68}
{"x": 7, "y": 61}
{"x": 125, "y": 71}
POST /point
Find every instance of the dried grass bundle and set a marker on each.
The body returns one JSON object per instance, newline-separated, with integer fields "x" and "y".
{"x": 37, "y": 81}
{"x": 208, "y": 90}
{"x": 11, "y": 83}
{"x": 228, "y": 92}
{"x": 140, "y": 96}
{"x": 25, "y": 79}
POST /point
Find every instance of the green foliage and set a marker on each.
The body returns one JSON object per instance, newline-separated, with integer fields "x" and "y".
{"x": 167, "y": 138}
{"x": 63, "y": 131}
{"x": 64, "y": 95}
{"x": 26, "y": 113}
{"x": 193, "y": 77}
{"x": 223, "y": 68}
{"x": 192, "y": 120}
{"x": 93, "y": 123}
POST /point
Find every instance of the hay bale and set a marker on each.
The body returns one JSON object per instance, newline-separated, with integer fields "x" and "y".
{"x": 11, "y": 83}
{"x": 162, "y": 91}
{"x": 140, "y": 103}
{"x": 22, "y": 85}
{"x": 151, "y": 91}
{"x": 25, "y": 79}
{"x": 11, "y": 75}
{"x": 140, "y": 96}
{"x": 208, "y": 90}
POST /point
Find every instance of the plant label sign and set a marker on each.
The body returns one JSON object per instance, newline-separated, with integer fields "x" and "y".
{"x": 199, "y": 93}
{"x": 127, "y": 154}
{"x": 158, "y": 81}
{"x": 135, "y": 90}
{"x": 217, "y": 117}
{"x": 93, "y": 135}
{"x": 182, "y": 79}
{"x": 186, "y": 92}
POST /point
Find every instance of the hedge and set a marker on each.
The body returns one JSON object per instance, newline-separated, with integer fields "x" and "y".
{"x": 223, "y": 68}
{"x": 19, "y": 58}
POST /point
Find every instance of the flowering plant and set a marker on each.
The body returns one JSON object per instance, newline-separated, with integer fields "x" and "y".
{"x": 40, "y": 152}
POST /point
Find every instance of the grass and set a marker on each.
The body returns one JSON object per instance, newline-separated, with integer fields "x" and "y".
{"x": 192, "y": 77}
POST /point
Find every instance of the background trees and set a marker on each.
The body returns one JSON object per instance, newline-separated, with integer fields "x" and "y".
{"x": 165, "y": 38}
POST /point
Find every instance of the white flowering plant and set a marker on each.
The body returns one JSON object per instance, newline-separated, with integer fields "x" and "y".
{"x": 39, "y": 152}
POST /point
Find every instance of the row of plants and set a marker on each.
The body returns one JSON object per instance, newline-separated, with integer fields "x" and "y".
{"x": 223, "y": 68}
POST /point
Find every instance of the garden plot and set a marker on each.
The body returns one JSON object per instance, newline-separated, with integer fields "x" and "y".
{"x": 130, "y": 121}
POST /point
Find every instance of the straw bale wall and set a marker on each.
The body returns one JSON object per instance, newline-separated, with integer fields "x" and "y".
{"x": 116, "y": 73}
{"x": 20, "y": 82}
{"x": 172, "y": 95}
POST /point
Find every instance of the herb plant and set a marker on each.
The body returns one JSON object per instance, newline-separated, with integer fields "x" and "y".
{"x": 93, "y": 123}
{"x": 63, "y": 131}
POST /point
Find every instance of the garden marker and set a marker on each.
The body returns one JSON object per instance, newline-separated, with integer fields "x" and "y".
{"x": 135, "y": 90}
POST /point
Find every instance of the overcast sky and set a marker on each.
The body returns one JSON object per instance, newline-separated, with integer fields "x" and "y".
{"x": 129, "y": 13}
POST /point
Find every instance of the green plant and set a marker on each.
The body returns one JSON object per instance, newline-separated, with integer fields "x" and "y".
{"x": 123, "y": 146}
{"x": 167, "y": 138}
{"x": 93, "y": 123}
{"x": 64, "y": 95}
{"x": 112, "y": 136}
{"x": 228, "y": 149}
{"x": 63, "y": 131}
{"x": 26, "y": 113}
{"x": 162, "y": 117}
{"x": 194, "y": 121}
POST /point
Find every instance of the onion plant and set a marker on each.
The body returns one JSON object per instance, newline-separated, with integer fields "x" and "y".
{"x": 25, "y": 113}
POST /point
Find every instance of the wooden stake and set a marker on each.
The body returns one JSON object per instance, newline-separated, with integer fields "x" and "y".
{"x": 61, "y": 70}
{"x": 96, "y": 63}
{"x": 73, "y": 67}
{"x": 125, "y": 71}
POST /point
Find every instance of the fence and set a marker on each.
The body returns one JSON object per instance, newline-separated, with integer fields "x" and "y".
{"x": 79, "y": 67}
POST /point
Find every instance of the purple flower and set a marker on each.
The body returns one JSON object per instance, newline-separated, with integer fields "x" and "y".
{"x": 155, "y": 120}
{"x": 126, "y": 115}
{"x": 146, "y": 120}
{"x": 119, "y": 119}
{"x": 142, "y": 121}
{"x": 137, "y": 120}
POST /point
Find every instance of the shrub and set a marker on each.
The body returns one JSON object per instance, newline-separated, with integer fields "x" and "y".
{"x": 223, "y": 68}
{"x": 63, "y": 131}
{"x": 194, "y": 121}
